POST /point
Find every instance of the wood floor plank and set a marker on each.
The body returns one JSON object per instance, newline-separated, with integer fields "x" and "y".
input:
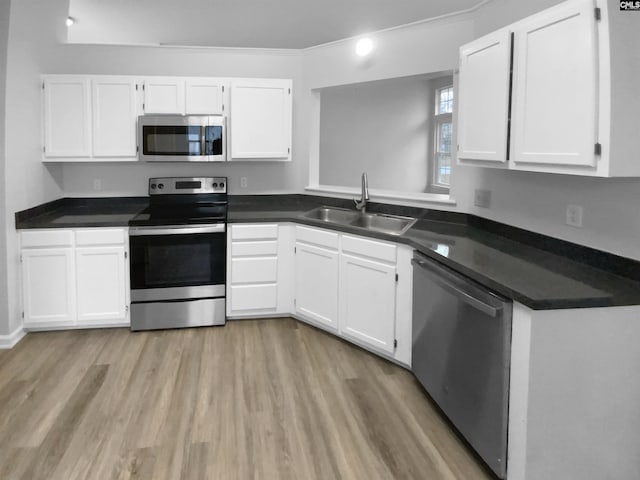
{"x": 54, "y": 445}
{"x": 256, "y": 399}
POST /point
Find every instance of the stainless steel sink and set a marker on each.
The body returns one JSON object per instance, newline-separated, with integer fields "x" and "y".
{"x": 379, "y": 222}
{"x": 333, "y": 215}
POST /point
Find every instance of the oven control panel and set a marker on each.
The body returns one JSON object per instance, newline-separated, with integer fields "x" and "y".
{"x": 187, "y": 185}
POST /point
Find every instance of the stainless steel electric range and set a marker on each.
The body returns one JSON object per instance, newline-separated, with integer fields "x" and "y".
{"x": 178, "y": 253}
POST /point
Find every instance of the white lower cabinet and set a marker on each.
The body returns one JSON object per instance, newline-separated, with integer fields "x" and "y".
{"x": 75, "y": 278}
{"x": 100, "y": 280}
{"x": 259, "y": 266}
{"x": 356, "y": 287}
{"x": 368, "y": 301}
{"x": 317, "y": 284}
{"x": 48, "y": 287}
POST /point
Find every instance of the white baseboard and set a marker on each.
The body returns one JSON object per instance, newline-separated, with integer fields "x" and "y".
{"x": 11, "y": 340}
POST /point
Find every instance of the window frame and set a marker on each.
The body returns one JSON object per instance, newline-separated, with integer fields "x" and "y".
{"x": 440, "y": 119}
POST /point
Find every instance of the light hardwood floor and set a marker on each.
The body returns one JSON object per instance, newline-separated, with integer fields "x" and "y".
{"x": 257, "y": 399}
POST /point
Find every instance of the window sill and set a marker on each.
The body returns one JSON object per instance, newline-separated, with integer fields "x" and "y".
{"x": 381, "y": 195}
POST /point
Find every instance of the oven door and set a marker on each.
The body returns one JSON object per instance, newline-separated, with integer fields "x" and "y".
{"x": 177, "y": 276}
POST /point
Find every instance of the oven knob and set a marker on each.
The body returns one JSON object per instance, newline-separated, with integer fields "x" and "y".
{"x": 221, "y": 185}
{"x": 161, "y": 186}
{"x": 215, "y": 185}
{"x": 153, "y": 186}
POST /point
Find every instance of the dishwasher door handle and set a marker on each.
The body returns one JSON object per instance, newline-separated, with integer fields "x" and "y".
{"x": 458, "y": 293}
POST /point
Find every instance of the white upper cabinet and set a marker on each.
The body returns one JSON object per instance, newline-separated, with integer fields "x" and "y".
{"x": 570, "y": 95}
{"x": 555, "y": 96}
{"x": 114, "y": 117}
{"x": 164, "y": 95}
{"x": 67, "y": 116}
{"x": 94, "y": 117}
{"x": 483, "y": 98}
{"x": 205, "y": 96}
{"x": 185, "y": 95}
{"x": 89, "y": 118}
{"x": 261, "y": 119}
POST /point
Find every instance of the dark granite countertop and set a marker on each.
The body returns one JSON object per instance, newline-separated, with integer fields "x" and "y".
{"x": 82, "y": 212}
{"x": 538, "y": 271}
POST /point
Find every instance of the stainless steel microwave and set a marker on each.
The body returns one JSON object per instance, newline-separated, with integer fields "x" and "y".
{"x": 181, "y": 138}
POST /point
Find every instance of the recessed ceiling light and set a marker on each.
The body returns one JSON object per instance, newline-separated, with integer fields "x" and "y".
{"x": 70, "y": 21}
{"x": 364, "y": 47}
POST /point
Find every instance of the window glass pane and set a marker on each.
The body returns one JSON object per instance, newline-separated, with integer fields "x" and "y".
{"x": 445, "y": 100}
{"x": 443, "y": 168}
{"x": 444, "y": 138}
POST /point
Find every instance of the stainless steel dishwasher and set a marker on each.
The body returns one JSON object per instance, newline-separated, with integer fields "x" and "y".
{"x": 461, "y": 355}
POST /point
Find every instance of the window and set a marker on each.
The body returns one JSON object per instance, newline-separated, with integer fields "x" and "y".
{"x": 442, "y": 128}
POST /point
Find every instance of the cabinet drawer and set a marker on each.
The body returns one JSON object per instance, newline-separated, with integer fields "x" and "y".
{"x": 254, "y": 270}
{"x": 248, "y": 249}
{"x": 253, "y": 297}
{"x": 317, "y": 237}
{"x": 114, "y": 236}
{"x": 47, "y": 238}
{"x": 369, "y": 248}
{"x": 254, "y": 231}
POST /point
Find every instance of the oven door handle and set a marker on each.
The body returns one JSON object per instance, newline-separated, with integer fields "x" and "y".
{"x": 176, "y": 230}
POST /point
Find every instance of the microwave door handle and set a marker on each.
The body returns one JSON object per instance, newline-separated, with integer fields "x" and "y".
{"x": 203, "y": 145}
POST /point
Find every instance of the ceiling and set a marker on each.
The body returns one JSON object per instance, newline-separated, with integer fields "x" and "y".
{"x": 245, "y": 23}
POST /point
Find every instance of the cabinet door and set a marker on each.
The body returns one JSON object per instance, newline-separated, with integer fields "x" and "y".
{"x": 101, "y": 284}
{"x": 48, "y": 287}
{"x": 114, "y": 117}
{"x": 204, "y": 96}
{"x": 316, "y": 295}
{"x": 67, "y": 117}
{"x": 368, "y": 302}
{"x": 164, "y": 95}
{"x": 555, "y": 90}
{"x": 261, "y": 119}
{"x": 483, "y": 98}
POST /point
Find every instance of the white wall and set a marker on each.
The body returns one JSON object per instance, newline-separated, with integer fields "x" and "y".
{"x": 538, "y": 201}
{"x": 5, "y": 6}
{"x": 382, "y": 128}
{"x": 532, "y": 201}
{"x": 35, "y": 47}
{"x": 499, "y": 13}
{"x": 422, "y": 48}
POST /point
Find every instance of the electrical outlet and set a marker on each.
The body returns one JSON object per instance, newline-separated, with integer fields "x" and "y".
{"x": 243, "y": 182}
{"x": 574, "y": 215}
{"x": 97, "y": 184}
{"x": 482, "y": 198}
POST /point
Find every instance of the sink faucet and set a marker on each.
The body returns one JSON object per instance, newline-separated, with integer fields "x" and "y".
{"x": 364, "y": 198}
